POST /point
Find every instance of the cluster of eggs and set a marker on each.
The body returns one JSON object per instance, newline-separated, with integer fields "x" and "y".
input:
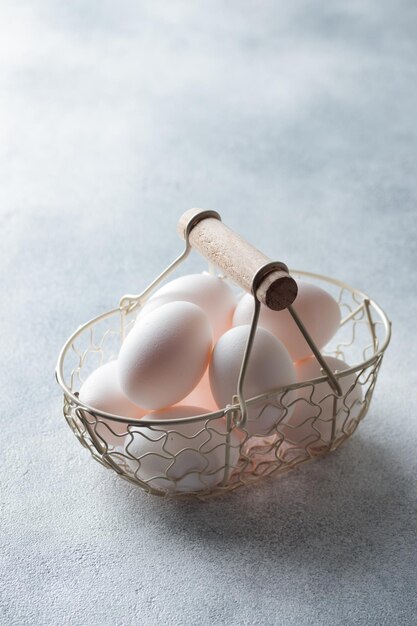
{"x": 182, "y": 358}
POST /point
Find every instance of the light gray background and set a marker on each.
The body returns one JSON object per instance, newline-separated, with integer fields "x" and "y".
{"x": 297, "y": 121}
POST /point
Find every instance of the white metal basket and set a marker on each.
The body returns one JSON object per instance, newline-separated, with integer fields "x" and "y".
{"x": 219, "y": 463}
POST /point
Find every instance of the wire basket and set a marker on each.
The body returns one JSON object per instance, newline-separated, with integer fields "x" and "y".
{"x": 218, "y": 446}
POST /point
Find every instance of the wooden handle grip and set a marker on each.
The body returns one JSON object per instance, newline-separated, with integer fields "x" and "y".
{"x": 238, "y": 259}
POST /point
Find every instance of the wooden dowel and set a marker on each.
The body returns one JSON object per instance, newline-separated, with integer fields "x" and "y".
{"x": 238, "y": 259}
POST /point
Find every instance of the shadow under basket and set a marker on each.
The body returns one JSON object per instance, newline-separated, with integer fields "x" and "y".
{"x": 208, "y": 455}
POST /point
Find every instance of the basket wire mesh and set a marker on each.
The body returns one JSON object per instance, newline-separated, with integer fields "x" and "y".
{"x": 300, "y": 422}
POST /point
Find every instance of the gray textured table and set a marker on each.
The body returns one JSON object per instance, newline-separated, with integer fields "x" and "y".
{"x": 297, "y": 121}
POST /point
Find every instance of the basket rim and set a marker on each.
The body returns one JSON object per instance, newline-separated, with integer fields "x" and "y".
{"x": 59, "y": 373}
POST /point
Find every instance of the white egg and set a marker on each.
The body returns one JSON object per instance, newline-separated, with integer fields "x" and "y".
{"x": 311, "y": 426}
{"x": 102, "y": 391}
{"x": 209, "y": 292}
{"x": 317, "y": 309}
{"x": 182, "y": 457}
{"x": 270, "y": 367}
{"x": 165, "y": 355}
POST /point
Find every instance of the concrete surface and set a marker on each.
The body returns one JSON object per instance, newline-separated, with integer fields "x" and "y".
{"x": 297, "y": 121}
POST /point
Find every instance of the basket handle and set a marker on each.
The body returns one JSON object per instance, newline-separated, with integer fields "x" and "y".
{"x": 237, "y": 258}
{"x": 269, "y": 282}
